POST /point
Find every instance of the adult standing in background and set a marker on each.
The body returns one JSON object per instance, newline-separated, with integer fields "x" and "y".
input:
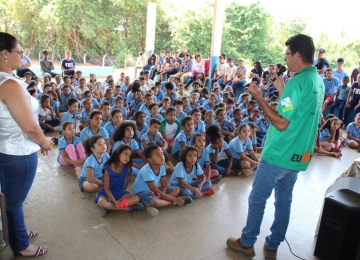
{"x": 47, "y": 65}
{"x": 239, "y": 77}
{"x": 68, "y": 64}
{"x": 354, "y": 74}
{"x": 140, "y": 62}
{"x": 321, "y": 63}
{"x": 288, "y": 147}
{"x": 25, "y": 64}
{"x": 339, "y": 72}
{"x": 20, "y": 139}
{"x": 185, "y": 50}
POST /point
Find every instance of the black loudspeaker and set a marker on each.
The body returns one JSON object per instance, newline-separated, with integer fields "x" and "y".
{"x": 339, "y": 233}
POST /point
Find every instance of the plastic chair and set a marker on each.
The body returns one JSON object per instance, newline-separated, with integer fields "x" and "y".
{"x": 5, "y": 238}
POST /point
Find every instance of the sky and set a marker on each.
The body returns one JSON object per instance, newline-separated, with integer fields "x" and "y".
{"x": 330, "y": 17}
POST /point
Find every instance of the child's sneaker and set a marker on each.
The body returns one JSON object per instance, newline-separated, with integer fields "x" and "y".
{"x": 209, "y": 192}
{"x": 105, "y": 212}
{"x": 187, "y": 199}
{"x": 247, "y": 172}
{"x": 136, "y": 207}
{"x": 78, "y": 172}
{"x": 152, "y": 211}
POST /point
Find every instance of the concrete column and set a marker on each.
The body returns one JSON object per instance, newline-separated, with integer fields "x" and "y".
{"x": 150, "y": 28}
{"x": 218, "y": 23}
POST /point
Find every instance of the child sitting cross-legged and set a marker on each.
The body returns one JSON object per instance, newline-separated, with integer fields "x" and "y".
{"x": 147, "y": 187}
{"x": 184, "y": 172}
{"x": 114, "y": 195}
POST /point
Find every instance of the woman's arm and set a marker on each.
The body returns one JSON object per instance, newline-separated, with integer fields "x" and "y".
{"x": 13, "y": 96}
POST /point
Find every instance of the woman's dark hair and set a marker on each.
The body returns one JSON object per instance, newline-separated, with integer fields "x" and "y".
{"x": 44, "y": 97}
{"x": 214, "y": 133}
{"x": 194, "y": 136}
{"x": 302, "y": 44}
{"x": 7, "y": 42}
{"x": 260, "y": 69}
{"x": 278, "y": 65}
{"x": 94, "y": 113}
{"x": 327, "y": 125}
{"x": 184, "y": 151}
{"x": 90, "y": 142}
{"x": 185, "y": 119}
{"x": 65, "y": 124}
{"x": 115, "y": 157}
{"x": 32, "y": 83}
{"x": 120, "y": 130}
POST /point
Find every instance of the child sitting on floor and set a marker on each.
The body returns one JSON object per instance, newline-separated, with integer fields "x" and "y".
{"x": 114, "y": 195}
{"x": 147, "y": 187}
{"x": 184, "y": 172}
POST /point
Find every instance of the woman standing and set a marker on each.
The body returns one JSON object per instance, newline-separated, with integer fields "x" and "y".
{"x": 68, "y": 64}
{"x": 20, "y": 139}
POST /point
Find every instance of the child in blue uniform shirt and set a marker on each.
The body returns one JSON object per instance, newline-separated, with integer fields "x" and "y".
{"x": 145, "y": 107}
{"x": 227, "y": 129}
{"x": 119, "y": 104}
{"x": 151, "y": 184}
{"x": 239, "y": 145}
{"x": 166, "y": 102}
{"x": 180, "y": 114}
{"x": 95, "y": 128}
{"x": 109, "y": 97}
{"x": 91, "y": 174}
{"x": 84, "y": 115}
{"x": 184, "y": 137}
{"x": 116, "y": 119}
{"x": 136, "y": 103}
{"x": 237, "y": 117}
{"x": 184, "y": 173}
{"x": 199, "y": 126}
{"x": 154, "y": 109}
{"x": 124, "y": 134}
{"x": 170, "y": 91}
{"x": 71, "y": 114}
{"x": 65, "y": 96}
{"x": 141, "y": 127}
{"x": 105, "y": 110}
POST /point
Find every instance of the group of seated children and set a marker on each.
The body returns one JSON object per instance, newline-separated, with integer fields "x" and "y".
{"x": 134, "y": 128}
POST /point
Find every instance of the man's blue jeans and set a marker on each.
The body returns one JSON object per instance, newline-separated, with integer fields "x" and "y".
{"x": 16, "y": 176}
{"x": 267, "y": 178}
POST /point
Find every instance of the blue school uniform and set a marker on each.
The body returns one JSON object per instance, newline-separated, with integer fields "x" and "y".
{"x": 200, "y": 128}
{"x": 187, "y": 110}
{"x": 133, "y": 144}
{"x": 104, "y": 122}
{"x": 84, "y": 115}
{"x": 91, "y": 162}
{"x": 262, "y": 125}
{"x": 242, "y": 106}
{"x": 237, "y": 146}
{"x": 248, "y": 120}
{"x": 110, "y": 129}
{"x": 72, "y": 89}
{"x": 146, "y": 137}
{"x": 229, "y": 114}
{"x": 69, "y": 118}
{"x": 162, "y": 112}
{"x": 95, "y": 103}
{"x": 55, "y": 105}
{"x": 62, "y": 144}
{"x": 86, "y": 133}
{"x": 149, "y": 117}
{"x": 144, "y": 109}
{"x": 233, "y": 122}
{"x": 211, "y": 150}
{"x": 181, "y": 137}
{"x": 146, "y": 175}
{"x": 143, "y": 130}
{"x": 117, "y": 183}
{"x": 194, "y": 106}
{"x": 130, "y": 98}
{"x": 207, "y": 106}
{"x": 111, "y": 101}
{"x": 64, "y": 99}
{"x": 225, "y": 124}
{"x": 181, "y": 173}
{"x": 181, "y": 116}
{"x": 173, "y": 95}
{"x": 135, "y": 107}
{"x": 323, "y": 134}
{"x": 204, "y": 158}
{"x": 160, "y": 96}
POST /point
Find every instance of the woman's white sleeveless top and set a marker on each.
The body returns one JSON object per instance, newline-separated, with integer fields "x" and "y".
{"x": 13, "y": 140}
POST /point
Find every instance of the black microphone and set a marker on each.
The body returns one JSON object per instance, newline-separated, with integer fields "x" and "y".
{"x": 271, "y": 81}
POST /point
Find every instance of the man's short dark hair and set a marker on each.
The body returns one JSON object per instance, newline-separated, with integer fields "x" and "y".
{"x": 302, "y": 44}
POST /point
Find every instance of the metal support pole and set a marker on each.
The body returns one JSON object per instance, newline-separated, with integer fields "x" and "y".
{"x": 104, "y": 60}
{"x": 218, "y": 22}
{"x": 85, "y": 57}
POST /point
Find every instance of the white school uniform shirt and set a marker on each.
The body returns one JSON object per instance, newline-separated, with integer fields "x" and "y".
{"x": 221, "y": 69}
{"x": 230, "y": 72}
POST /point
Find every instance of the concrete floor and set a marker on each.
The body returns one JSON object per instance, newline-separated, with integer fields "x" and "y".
{"x": 70, "y": 224}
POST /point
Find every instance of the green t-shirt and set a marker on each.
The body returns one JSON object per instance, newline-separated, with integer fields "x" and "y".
{"x": 301, "y": 104}
{"x": 171, "y": 130}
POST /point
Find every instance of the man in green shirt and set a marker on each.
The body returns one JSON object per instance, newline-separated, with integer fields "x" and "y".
{"x": 288, "y": 148}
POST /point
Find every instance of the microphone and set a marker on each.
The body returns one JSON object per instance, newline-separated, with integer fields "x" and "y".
{"x": 271, "y": 81}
